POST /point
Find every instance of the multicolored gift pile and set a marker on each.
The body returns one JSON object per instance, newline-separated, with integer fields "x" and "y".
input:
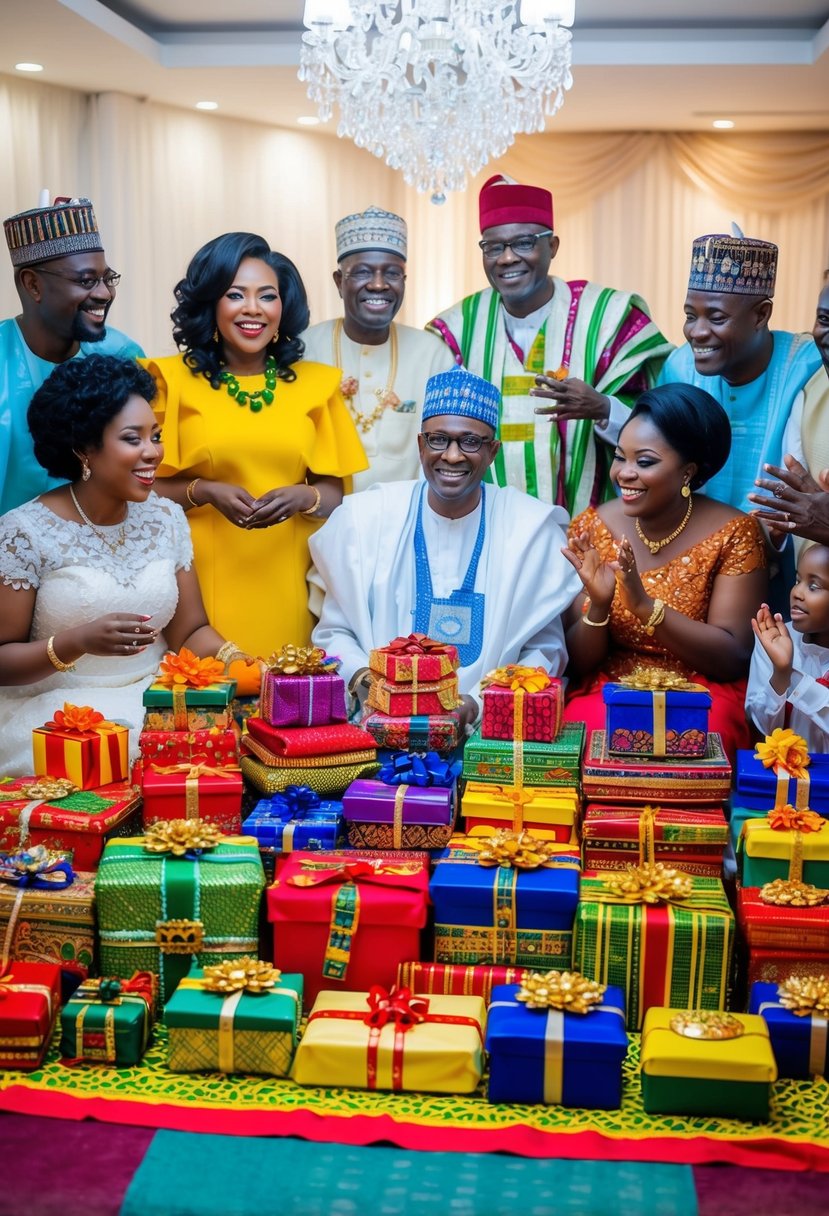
{"x": 413, "y": 695}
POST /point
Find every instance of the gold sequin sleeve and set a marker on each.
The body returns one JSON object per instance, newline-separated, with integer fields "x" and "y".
{"x": 741, "y": 544}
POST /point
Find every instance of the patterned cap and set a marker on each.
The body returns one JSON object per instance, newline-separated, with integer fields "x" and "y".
{"x": 68, "y": 226}
{"x": 460, "y": 393}
{"x": 369, "y": 230}
{"x": 735, "y": 264}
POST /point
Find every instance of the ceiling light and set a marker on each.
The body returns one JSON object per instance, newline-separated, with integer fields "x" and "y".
{"x": 29, "y": 67}
{"x": 207, "y": 105}
{"x": 309, "y": 120}
{"x": 722, "y": 124}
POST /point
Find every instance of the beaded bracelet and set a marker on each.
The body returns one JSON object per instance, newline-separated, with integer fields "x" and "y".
{"x": 57, "y": 663}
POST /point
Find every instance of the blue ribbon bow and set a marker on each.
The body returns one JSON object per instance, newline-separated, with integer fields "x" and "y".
{"x": 294, "y": 802}
{"x": 409, "y": 768}
{"x": 37, "y": 868}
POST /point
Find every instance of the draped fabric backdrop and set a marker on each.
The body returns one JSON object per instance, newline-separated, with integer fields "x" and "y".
{"x": 627, "y": 205}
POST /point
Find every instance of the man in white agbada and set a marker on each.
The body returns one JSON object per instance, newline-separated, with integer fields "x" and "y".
{"x": 478, "y": 566}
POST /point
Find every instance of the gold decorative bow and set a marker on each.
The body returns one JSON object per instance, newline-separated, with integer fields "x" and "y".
{"x": 241, "y": 975}
{"x": 790, "y": 893}
{"x": 789, "y": 819}
{"x": 48, "y": 789}
{"x": 515, "y": 677}
{"x": 515, "y": 850}
{"x": 783, "y": 749}
{"x": 564, "y": 990}
{"x": 187, "y": 670}
{"x": 707, "y": 1024}
{"x": 302, "y": 661}
{"x": 651, "y": 883}
{"x": 180, "y": 836}
{"x": 655, "y": 679}
{"x": 806, "y": 996}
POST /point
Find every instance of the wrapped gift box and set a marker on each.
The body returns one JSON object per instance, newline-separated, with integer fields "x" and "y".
{"x": 28, "y": 1010}
{"x": 498, "y": 914}
{"x": 448, "y": 980}
{"x": 219, "y": 748}
{"x": 88, "y": 758}
{"x": 775, "y": 966}
{"x": 194, "y": 791}
{"x": 441, "y": 1054}
{"x": 437, "y": 697}
{"x": 109, "y": 1021}
{"x": 77, "y": 825}
{"x": 413, "y": 660}
{"x": 674, "y": 954}
{"x": 51, "y": 926}
{"x": 560, "y": 1059}
{"x": 537, "y": 713}
{"x": 767, "y": 853}
{"x": 556, "y": 763}
{"x": 344, "y": 920}
{"x": 301, "y": 742}
{"x": 656, "y": 723}
{"x": 157, "y": 912}
{"x": 728, "y": 1078}
{"x": 759, "y": 788}
{"x": 781, "y": 927}
{"x": 800, "y": 1041}
{"x": 380, "y": 816}
{"x": 549, "y": 813}
{"x": 692, "y": 840}
{"x": 606, "y": 778}
{"x": 283, "y": 823}
{"x": 329, "y": 781}
{"x": 245, "y": 1032}
{"x": 300, "y": 700}
{"x": 189, "y": 708}
{"x": 439, "y": 733}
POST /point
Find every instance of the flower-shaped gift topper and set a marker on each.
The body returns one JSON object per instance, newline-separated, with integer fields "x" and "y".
{"x": 783, "y": 749}
{"x": 241, "y": 975}
{"x": 789, "y": 819}
{"x": 806, "y": 996}
{"x": 187, "y": 670}
{"x": 80, "y": 718}
{"x": 651, "y": 883}
{"x": 563, "y": 990}
{"x": 181, "y": 836}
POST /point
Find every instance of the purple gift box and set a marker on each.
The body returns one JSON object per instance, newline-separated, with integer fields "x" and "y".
{"x": 303, "y": 700}
{"x": 380, "y": 816}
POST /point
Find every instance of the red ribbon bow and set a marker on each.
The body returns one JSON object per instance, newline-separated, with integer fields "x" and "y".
{"x": 354, "y": 871}
{"x": 394, "y": 1005}
{"x": 416, "y": 643}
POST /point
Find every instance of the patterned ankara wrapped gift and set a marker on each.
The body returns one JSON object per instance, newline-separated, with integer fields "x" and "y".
{"x": 700, "y": 1062}
{"x": 46, "y": 911}
{"x": 787, "y": 845}
{"x": 797, "y": 1014}
{"x": 439, "y": 733}
{"x": 447, "y": 980}
{"x": 660, "y": 935}
{"x": 217, "y": 747}
{"x": 79, "y": 745}
{"x": 194, "y": 791}
{"x": 180, "y": 892}
{"x": 781, "y": 770}
{"x": 301, "y": 688}
{"x": 519, "y": 764}
{"x": 52, "y": 812}
{"x": 29, "y": 1005}
{"x": 416, "y": 659}
{"x": 521, "y": 703}
{"x": 109, "y": 1021}
{"x": 297, "y": 818}
{"x": 411, "y": 805}
{"x": 390, "y": 1039}
{"x": 558, "y": 1039}
{"x": 237, "y": 1017}
{"x": 607, "y": 778}
{"x": 189, "y": 693}
{"x": 656, "y": 713}
{"x": 507, "y": 899}
{"x": 549, "y": 814}
{"x": 616, "y": 836}
{"x": 399, "y": 700}
{"x": 342, "y": 917}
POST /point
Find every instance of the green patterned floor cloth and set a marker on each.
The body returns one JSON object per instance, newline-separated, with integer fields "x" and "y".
{"x": 184, "y": 1174}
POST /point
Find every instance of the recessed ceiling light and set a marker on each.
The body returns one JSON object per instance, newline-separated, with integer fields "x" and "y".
{"x": 722, "y": 124}
{"x": 29, "y": 67}
{"x": 207, "y": 105}
{"x": 308, "y": 120}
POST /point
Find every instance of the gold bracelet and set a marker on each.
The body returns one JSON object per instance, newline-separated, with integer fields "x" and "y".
{"x": 656, "y": 617}
{"x": 317, "y": 500}
{"x": 593, "y": 624}
{"x": 189, "y": 493}
{"x": 57, "y": 663}
{"x": 228, "y": 652}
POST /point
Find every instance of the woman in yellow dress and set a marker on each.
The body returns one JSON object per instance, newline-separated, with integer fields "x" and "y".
{"x": 257, "y": 442}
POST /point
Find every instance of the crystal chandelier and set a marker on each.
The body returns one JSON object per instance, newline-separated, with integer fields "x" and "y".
{"x": 437, "y": 87}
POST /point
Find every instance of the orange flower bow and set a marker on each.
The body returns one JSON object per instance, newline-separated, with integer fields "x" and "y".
{"x": 783, "y": 749}
{"x": 788, "y": 819}
{"x": 187, "y": 670}
{"x": 81, "y": 718}
{"x": 515, "y": 677}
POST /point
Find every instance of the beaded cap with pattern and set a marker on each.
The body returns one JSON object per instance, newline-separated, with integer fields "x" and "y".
{"x": 370, "y": 231}
{"x": 460, "y": 393}
{"x": 68, "y": 226}
{"x": 733, "y": 264}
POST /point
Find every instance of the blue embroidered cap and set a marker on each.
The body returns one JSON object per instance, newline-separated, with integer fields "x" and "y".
{"x": 459, "y": 392}
{"x": 735, "y": 264}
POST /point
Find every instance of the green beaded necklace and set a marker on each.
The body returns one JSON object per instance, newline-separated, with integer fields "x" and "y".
{"x": 262, "y": 396}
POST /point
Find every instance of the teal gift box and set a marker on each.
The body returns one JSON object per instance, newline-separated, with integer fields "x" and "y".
{"x": 109, "y": 1021}
{"x": 800, "y": 1041}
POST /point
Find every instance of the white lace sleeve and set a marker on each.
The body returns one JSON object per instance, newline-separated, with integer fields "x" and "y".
{"x": 21, "y": 562}
{"x": 179, "y": 529}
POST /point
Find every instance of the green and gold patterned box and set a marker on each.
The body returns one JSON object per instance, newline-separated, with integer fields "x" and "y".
{"x": 556, "y": 763}
{"x": 109, "y": 1021}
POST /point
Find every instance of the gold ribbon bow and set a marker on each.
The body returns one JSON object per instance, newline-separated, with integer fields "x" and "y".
{"x": 180, "y": 836}
{"x": 783, "y": 749}
{"x": 241, "y": 975}
{"x": 792, "y": 893}
{"x": 793, "y": 819}
{"x": 516, "y": 677}
{"x": 46, "y": 789}
{"x": 192, "y": 772}
{"x": 516, "y": 850}
{"x": 563, "y": 990}
{"x": 655, "y": 679}
{"x": 651, "y": 883}
{"x": 301, "y": 661}
{"x": 806, "y": 996}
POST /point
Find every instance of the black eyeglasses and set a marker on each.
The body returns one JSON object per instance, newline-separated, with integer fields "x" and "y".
{"x": 88, "y": 281}
{"x": 520, "y": 245}
{"x": 364, "y": 275}
{"x": 439, "y": 442}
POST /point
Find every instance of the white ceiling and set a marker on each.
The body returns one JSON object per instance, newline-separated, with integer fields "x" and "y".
{"x": 663, "y": 66}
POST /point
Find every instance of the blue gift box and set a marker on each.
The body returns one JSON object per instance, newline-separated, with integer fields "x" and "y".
{"x": 644, "y": 723}
{"x": 800, "y": 1042}
{"x": 560, "y": 1059}
{"x": 756, "y": 785}
{"x": 275, "y": 825}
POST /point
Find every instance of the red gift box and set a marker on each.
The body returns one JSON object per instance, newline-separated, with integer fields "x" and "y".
{"x": 77, "y": 825}
{"x": 347, "y": 919}
{"x": 773, "y": 967}
{"x": 288, "y": 741}
{"x": 782, "y": 930}
{"x": 414, "y": 660}
{"x": 29, "y": 1005}
{"x": 417, "y": 700}
{"x": 439, "y": 733}
{"x": 638, "y": 779}
{"x": 691, "y": 840}
{"x": 213, "y": 746}
{"x": 194, "y": 791}
{"x": 515, "y": 713}
{"x": 451, "y": 979}
{"x": 89, "y": 753}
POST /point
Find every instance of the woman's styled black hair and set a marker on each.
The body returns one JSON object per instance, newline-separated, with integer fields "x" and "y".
{"x": 71, "y": 410}
{"x": 692, "y": 422}
{"x": 210, "y": 273}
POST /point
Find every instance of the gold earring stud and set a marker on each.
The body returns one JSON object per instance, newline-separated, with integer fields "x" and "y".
{"x": 686, "y": 491}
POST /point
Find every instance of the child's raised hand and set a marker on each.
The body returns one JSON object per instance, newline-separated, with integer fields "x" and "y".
{"x": 774, "y": 638}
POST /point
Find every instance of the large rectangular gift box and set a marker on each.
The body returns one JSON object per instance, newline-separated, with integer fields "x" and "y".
{"x": 349, "y": 1042}
{"x": 44, "y": 925}
{"x": 158, "y": 911}
{"x": 509, "y": 713}
{"x": 37, "y": 811}
{"x": 329, "y": 780}
{"x": 219, "y": 748}
{"x": 796, "y": 1015}
{"x": 303, "y": 700}
{"x": 657, "y": 723}
{"x": 760, "y": 788}
{"x": 236, "y": 1032}
{"x": 675, "y": 952}
{"x": 607, "y": 778}
{"x": 766, "y": 854}
{"x": 720, "y": 1064}
{"x": 109, "y": 1021}
{"x": 558, "y": 1058}
{"x": 380, "y": 816}
{"x": 347, "y": 919}
{"x": 295, "y": 819}
{"x": 447, "y": 979}
{"x": 189, "y": 708}
{"x": 89, "y": 758}
{"x": 439, "y": 733}
{"x": 413, "y": 660}
{"x": 549, "y": 813}
{"x": 694, "y": 840}
{"x": 28, "y": 1009}
{"x": 436, "y": 697}
{"x": 531, "y": 763}
{"x": 786, "y": 928}
{"x": 194, "y": 791}
{"x": 494, "y": 913}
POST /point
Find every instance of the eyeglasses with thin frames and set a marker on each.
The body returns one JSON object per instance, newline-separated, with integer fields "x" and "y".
{"x": 364, "y": 275}
{"x": 520, "y": 245}
{"x": 439, "y": 442}
{"x": 88, "y": 282}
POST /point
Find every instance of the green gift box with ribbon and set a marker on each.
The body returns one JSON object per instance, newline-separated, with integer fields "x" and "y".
{"x": 519, "y": 763}
{"x": 109, "y": 1021}
{"x": 180, "y": 893}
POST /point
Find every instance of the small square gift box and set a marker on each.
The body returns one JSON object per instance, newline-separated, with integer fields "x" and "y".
{"x": 296, "y": 818}
{"x": 518, "y": 763}
{"x": 46, "y": 910}
{"x": 234, "y": 1017}
{"x": 193, "y": 791}
{"x": 797, "y": 1014}
{"x": 616, "y": 836}
{"x": 390, "y": 1039}
{"x": 656, "y": 713}
{"x": 410, "y": 805}
{"x": 558, "y": 1039}
{"x": 80, "y": 746}
{"x": 674, "y": 782}
{"x": 660, "y": 935}
{"x": 549, "y": 814}
{"x": 508, "y": 899}
{"x": 447, "y": 979}
{"x": 53, "y": 812}
{"x": 29, "y": 1006}
{"x": 521, "y": 703}
{"x": 416, "y": 659}
{"x": 439, "y": 733}
{"x": 436, "y": 697}
{"x": 703, "y": 1062}
{"x": 109, "y": 1021}
{"x": 211, "y": 746}
{"x": 787, "y": 845}
{"x": 344, "y": 920}
{"x": 180, "y": 892}
{"x": 300, "y": 687}
{"x": 188, "y": 694}
{"x": 781, "y": 771}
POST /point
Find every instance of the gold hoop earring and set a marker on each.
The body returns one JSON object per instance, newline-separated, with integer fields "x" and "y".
{"x": 686, "y": 491}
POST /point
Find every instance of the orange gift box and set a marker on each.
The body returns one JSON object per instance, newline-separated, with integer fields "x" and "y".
{"x": 82, "y": 747}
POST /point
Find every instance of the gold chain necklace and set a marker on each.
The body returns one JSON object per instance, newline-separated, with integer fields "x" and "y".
{"x": 122, "y": 535}
{"x": 364, "y": 422}
{"x": 656, "y": 545}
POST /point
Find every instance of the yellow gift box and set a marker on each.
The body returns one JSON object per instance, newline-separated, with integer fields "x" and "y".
{"x": 665, "y": 1053}
{"x": 771, "y": 853}
{"x": 89, "y": 758}
{"x": 339, "y": 1048}
{"x": 549, "y": 813}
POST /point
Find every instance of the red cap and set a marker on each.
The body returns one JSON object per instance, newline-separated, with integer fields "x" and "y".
{"x": 503, "y": 201}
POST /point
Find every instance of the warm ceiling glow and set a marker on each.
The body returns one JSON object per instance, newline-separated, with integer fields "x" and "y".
{"x": 308, "y": 120}
{"x": 722, "y": 124}
{"x": 29, "y": 67}
{"x": 207, "y": 105}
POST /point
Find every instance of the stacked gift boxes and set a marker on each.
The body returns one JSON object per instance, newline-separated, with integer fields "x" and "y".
{"x": 413, "y": 696}
{"x": 412, "y": 804}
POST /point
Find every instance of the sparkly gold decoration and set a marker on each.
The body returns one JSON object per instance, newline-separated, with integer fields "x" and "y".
{"x": 241, "y": 975}
{"x": 792, "y": 819}
{"x": 564, "y": 990}
{"x": 653, "y": 883}
{"x": 515, "y": 677}
{"x": 302, "y": 661}
{"x": 806, "y": 996}
{"x": 783, "y": 749}
{"x": 179, "y": 936}
{"x": 789, "y": 893}
{"x": 180, "y": 836}
{"x": 48, "y": 789}
{"x": 655, "y": 679}
{"x": 707, "y": 1024}
{"x": 515, "y": 850}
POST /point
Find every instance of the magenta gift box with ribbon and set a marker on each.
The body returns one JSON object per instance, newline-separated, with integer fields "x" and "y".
{"x": 303, "y": 700}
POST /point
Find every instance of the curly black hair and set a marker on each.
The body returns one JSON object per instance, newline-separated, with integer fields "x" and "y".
{"x": 210, "y": 273}
{"x": 71, "y": 410}
{"x": 692, "y": 422}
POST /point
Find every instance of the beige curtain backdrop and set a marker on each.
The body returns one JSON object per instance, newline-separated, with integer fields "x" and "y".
{"x": 627, "y": 205}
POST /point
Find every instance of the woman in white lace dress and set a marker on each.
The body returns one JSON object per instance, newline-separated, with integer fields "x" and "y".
{"x": 95, "y": 576}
